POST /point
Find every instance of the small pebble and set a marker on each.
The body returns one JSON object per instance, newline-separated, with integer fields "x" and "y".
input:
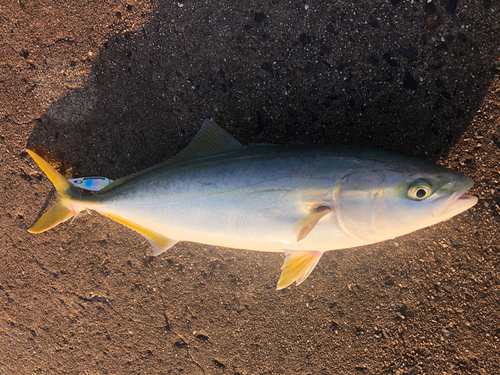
{"x": 445, "y": 332}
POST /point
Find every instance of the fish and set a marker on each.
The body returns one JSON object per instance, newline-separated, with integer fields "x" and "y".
{"x": 295, "y": 199}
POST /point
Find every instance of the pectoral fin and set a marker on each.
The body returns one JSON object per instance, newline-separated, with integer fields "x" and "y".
{"x": 159, "y": 242}
{"x": 297, "y": 266}
{"x": 302, "y": 227}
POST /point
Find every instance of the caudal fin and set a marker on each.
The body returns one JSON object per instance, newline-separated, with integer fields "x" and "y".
{"x": 63, "y": 209}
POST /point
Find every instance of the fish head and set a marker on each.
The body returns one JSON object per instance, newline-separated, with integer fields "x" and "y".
{"x": 388, "y": 201}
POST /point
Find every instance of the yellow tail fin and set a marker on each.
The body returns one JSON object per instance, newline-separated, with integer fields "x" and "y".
{"x": 63, "y": 209}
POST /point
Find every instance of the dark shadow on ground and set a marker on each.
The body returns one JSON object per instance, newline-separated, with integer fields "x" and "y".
{"x": 397, "y": 76}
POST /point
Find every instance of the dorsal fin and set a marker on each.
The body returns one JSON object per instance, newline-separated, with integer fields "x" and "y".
{"x": 211, "y": 139}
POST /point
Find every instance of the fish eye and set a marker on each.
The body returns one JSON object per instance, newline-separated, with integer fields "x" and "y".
{"x": 419, "y": 190}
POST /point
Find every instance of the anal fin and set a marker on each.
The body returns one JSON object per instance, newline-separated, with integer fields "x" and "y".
{"x": 159, "y": 242}
{"x": 297, "y": 266}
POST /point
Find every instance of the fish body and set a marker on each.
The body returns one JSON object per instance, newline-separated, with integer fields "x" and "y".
{"x": 248, "y": 199}
{"x": 302, "y": 200}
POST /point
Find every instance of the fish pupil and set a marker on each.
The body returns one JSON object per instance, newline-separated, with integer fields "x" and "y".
{"x": 420, "y": 193}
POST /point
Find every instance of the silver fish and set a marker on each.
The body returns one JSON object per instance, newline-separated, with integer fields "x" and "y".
{"x": 301, "y": 200}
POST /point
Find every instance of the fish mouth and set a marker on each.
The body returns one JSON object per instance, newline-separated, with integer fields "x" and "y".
{"x": 451, "y": 205}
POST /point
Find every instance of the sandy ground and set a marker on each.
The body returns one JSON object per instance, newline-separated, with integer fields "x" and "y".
{"x": 109, "y": 88}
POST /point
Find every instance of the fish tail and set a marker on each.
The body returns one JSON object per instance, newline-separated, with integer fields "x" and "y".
{"x": 65, "y": 206}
